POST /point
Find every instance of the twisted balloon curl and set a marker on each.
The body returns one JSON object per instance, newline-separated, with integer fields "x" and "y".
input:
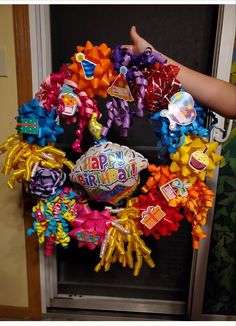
{"x": 24, "y": 158}
{"x": 122, "y": 56}
{"x": 51, "y": 219}
{"x": 48, "y": 94}
{"x": 122, "y": 240}
{"x": 103, "y": 74}
{"x": 135, "y": 64}
{"x": 87, "y": 107}
{"x": 200, "y": 200}
{"x": 184, "y": 158}
{"x": 118, "y": 112}
{"x": 195, "y": 204}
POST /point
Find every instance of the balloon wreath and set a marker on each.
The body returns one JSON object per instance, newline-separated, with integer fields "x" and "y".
{"x": 108, "y": 172}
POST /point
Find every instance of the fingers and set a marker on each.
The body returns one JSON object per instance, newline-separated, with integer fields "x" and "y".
{"x": 134, "y": 35}
{"x": 128, "y": 46}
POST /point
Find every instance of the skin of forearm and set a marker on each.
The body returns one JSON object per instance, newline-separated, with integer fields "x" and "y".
{"x": 216, "y": 94}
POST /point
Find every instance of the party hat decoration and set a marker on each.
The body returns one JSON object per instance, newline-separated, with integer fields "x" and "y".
{"x": 120, "y": 87}
{"x": 87, "y": 65}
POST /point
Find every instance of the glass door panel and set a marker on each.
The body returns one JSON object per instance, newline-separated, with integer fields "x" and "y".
{"x": 166, "y": 27}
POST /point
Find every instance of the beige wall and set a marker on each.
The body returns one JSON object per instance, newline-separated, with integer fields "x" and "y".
{"x": 13, "y": 278}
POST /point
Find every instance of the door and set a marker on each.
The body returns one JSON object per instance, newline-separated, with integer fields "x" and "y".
{"x": 71, "y": 282}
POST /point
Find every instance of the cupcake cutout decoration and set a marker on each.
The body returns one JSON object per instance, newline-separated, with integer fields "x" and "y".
{"x": 199, "y": 160}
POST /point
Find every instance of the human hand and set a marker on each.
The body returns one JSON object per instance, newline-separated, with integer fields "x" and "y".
{"x": 139, "y": 44}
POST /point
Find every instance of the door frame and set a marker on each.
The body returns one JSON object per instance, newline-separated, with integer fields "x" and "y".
{"x": 223, "y": 52}
{"x": 24, "y": 93}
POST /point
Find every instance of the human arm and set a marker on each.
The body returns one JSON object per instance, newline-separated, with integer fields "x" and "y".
{"x": 216, "y": 94}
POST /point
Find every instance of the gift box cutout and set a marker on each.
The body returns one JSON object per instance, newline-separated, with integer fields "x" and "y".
{"x": 86, "y": 236}
{"x": 152, "y": 215}
{"x": 27, "y": 126}
{"x": 173, "y": 189}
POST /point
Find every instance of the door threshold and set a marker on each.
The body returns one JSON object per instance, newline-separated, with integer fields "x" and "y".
{"x": 91, "y": 315}
{"x": 133, "y": 305}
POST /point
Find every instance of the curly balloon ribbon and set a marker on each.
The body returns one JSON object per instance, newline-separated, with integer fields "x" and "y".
{"x": 173, "y": 139}
{"x": 135, "y": 64}
{"x": 48, "y": 94}
{"x": 196, "y": 203}
{"x": 10, "y": 142}
{"x": 202, "y": 199}
{"x": 92, "y": 69}
{"x": 195, "y": 159}
{"x": 150, "y": 206}
{"x": 51, "y": 219}
{"x": 90, "y": 226}
{"x": 122, "y": 240}
{"x": 47, "y": 128}
{"x": 138, "y": 86}
{"x": 124, "y": 57}
{"x": 44, "y": 182}
{"x": 119, "y": 113}
{"x": 24, "y": 158}
{"x": 162, "y": 83}
{"x": 87, "y": 108}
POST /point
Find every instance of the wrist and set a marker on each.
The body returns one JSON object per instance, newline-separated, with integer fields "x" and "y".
{"x": 160, "y": 57}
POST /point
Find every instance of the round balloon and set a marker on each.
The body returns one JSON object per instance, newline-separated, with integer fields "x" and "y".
{"x": 181, "y": 110}
{"x": 109, "y": 172}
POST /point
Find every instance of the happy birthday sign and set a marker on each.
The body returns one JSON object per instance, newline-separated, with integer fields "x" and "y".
{"x": 108, "y": 167}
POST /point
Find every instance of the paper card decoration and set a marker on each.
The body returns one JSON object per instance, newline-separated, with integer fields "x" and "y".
{"x": 180, "y": 111}
{"x": 152, "y": 215}
{"x": 69, "y": 99}
{"x": 27, "y": 126}
{"x": 199, "y": 160}
{"x": 87, "y": 65}
{"x": 85, "y": 236}
{"x": 173, "y": 189}
{"x": 120, "y": 87}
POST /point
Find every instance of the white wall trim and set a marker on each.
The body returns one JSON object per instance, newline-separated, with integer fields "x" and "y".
{"x": 40, "y": 41}
{"x": 222, "y": 64}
